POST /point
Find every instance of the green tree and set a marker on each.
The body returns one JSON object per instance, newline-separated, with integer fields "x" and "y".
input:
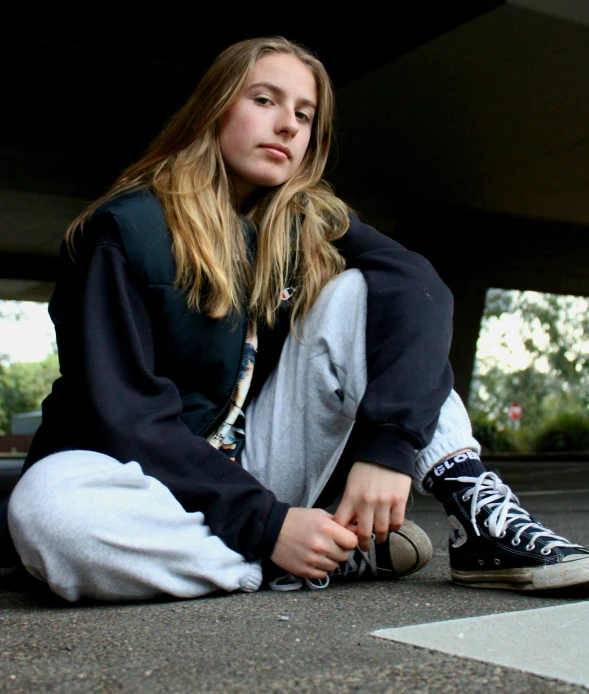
{"x": 23, "y": 387}
{"x": 554, "y": 330}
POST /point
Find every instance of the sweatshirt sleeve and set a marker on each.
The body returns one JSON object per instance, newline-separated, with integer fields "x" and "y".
{"x": 133, "y": 414}
{"x": 408, "y": 335}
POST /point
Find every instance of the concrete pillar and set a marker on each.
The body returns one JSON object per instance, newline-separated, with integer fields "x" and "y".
{"x": 469, "y": 303}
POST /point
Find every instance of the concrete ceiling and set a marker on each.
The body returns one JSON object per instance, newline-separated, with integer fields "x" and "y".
{"x": 488, "y": 114}
{"x": 491, "y": 116}
{"x": 86, "y": 97}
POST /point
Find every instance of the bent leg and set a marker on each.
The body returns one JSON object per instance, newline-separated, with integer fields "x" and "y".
{"x": 90, "y": 526}
{"x": 298, "y": 426}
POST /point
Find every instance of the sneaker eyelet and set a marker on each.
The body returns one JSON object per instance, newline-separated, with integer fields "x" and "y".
{"x": 515, "y": 542}
{"x": 497, "y": 561}
{"x": 502, "y": 534}
{"x": 481, "y": 562}
{"x": 545, "y": 552}
{"x": 464, "y": 497}
{"x": 486, "y": 523}
{"x": 530, "y": 547}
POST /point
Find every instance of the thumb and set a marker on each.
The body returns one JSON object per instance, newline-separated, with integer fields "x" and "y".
{"x": 345, "y": 538}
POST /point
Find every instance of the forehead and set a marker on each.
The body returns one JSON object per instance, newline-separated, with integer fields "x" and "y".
{"x": 288, "y": 73}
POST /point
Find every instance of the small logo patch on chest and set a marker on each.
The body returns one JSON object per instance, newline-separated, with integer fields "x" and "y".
{"x": 287, "y": 293}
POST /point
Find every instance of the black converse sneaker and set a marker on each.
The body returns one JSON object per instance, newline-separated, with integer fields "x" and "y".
{"x": 404, "y": 552}
{"x": 495, "y": 543}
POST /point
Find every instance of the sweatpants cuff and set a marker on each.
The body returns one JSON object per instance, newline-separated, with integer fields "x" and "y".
{"x": 252, "y": 579}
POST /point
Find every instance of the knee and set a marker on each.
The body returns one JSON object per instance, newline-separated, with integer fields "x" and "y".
{"x": 50, "y": 503}
{"x": 346, "y": 287}
{"x": 38, "y": 509}
{"x": 341, "y": 304}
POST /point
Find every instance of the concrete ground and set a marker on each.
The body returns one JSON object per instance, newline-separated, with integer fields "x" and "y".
{"x": 303, "y": 641}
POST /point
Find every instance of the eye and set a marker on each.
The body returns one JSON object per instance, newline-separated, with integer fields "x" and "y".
{"x": 262, "y": 100}
{"x": 303, "y": 117}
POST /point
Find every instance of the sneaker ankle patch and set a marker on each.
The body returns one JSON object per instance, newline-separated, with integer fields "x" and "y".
{"x": 458, "y": 535}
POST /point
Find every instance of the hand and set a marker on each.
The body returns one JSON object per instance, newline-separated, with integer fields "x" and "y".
{"x": 310, "y": 543}
{"x": 375, "y": 497}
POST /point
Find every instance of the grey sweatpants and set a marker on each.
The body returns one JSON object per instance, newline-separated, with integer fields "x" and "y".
{"x": 91, "y": 526}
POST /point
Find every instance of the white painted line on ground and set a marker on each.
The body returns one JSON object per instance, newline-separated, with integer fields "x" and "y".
{"x": 550, "y": 641}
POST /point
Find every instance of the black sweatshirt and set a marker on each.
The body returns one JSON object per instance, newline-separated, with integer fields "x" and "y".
{"x": 126, "y": 391}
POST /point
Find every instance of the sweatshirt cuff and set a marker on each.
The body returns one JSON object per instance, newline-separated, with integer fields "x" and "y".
{"x": 385, "y": 447}
{"x": 272, "y": 530}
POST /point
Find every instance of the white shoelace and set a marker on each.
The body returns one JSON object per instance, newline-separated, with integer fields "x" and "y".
{"x": 488, "y": 490}
{"x": 368, "y": 561}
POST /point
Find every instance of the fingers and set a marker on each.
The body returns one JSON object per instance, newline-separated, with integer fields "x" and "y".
{"x": 344, "y": 538}
{"x": 324, "y": 564}
{"x": 382, "y": 522}
{"x": 370, "y": 518}
{"x": 311, "y": 543}
{"x": 338, "y": 554}
{"x": 375, "y": 497}
{"x": 397, "y": 516}
{"x": 334, "y": 547}
{"x": 365, "y": 527}
{"x": 345, "y": 513}
{"x": 326, "y": 554}
{"x": 364, "y": 514}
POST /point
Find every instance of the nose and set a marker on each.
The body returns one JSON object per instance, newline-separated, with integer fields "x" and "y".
{"x": 287, "y": 123}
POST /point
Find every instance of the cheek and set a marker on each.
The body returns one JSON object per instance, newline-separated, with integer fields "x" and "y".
{"x": 304, "y": 149}
{"x": 229, "y": 141}
{"x": 236, "y": 131}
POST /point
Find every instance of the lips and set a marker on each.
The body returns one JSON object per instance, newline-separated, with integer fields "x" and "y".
{"x": 278, "y": 149}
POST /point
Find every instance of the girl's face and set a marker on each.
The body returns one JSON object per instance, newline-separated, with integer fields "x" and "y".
{"x": 265, "y": 134}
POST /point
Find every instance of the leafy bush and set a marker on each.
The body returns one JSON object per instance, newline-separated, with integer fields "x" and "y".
{"x": 23, "y": 386}
{"x": 492, "y": 438}
{"x": 566, "y": 432}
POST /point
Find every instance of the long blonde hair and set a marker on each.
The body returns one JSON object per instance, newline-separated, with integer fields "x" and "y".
{"x": 295, "y": 221}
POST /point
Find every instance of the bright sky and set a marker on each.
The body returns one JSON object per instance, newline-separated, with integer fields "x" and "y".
{"x": 31, "y": 337}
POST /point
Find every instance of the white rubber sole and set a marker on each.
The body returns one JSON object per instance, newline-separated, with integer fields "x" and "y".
{"x": 551, "y": 577}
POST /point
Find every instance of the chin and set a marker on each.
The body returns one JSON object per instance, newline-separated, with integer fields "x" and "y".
{"x": 269, "y": 181}
{"x": 270, "y": 177}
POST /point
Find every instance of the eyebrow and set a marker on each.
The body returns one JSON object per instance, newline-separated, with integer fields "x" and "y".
{"x": 279, "y": 90}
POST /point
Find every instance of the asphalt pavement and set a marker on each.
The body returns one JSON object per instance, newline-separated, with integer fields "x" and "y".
{"x": 306, "y": 641}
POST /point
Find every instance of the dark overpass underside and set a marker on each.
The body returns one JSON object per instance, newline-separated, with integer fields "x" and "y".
{"x": 462, "y": 133}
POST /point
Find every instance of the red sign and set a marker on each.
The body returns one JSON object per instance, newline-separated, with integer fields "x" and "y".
{"x": 515, "y": 412}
